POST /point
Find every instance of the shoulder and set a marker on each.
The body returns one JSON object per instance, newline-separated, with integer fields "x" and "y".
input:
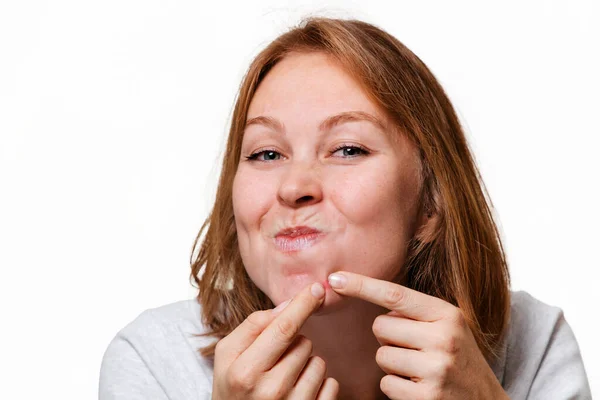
{"x": 166, "y": 320}
{"x": 531, "y": 318}
{"x": 540, "y": 353}
{"x": 532, "y": 322}
{"x": 160, "y": 346}
{"x": 529, "y": 331}
{"x": 169, "y": 327}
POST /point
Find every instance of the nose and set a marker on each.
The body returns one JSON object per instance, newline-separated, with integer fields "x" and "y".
{"x": 300, "y": 186}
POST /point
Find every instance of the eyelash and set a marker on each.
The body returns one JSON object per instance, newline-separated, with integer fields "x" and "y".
{"x": 364, "y": 152}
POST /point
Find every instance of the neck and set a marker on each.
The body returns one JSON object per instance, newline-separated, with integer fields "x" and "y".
{"x": 345, "y": 340}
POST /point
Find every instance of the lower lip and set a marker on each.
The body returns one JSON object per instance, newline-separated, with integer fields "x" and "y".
{"x": 290, "y": 244}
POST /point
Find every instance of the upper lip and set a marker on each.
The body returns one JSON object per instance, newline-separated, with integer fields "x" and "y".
{"x": 297, "y": 231}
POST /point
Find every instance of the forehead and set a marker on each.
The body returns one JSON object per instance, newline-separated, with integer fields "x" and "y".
{"x": 309, "y": 87}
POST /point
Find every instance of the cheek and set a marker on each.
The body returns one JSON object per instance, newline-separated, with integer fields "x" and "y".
{"x": 252, "y": 194}
{"x": 378, "y": 206}
{"x": 364, "y": 195}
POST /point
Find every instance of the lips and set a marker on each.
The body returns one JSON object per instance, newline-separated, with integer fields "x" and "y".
{"x": 297, "y": 238}
{"x": 297, "y": 231}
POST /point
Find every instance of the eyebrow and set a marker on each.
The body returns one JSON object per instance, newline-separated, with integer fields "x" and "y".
{"x": 327, "y": 124}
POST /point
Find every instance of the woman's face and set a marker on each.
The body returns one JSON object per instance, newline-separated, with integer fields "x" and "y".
{"x": 321, "y": 185}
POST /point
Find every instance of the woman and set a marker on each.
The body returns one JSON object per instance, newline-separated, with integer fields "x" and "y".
{"x": 348, "y": 198}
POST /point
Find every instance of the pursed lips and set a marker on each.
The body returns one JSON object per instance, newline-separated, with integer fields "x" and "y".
{"x": 297, "y": 238}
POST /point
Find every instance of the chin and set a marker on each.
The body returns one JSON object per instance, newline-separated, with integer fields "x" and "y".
{"x": 333, "y": 303}
{"x": 286, "y": 287}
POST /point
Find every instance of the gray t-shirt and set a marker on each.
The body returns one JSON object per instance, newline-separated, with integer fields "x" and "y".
{"x": 155, "y": 357}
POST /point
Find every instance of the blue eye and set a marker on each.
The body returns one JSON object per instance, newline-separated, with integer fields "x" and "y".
{"x": 270, "y": 155}
{"x": 351, "y": 151}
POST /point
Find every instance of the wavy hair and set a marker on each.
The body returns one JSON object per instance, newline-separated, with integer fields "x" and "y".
{"x": 459, "y": 258}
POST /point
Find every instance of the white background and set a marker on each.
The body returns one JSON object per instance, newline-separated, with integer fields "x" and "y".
{"x": 113, "y": 116}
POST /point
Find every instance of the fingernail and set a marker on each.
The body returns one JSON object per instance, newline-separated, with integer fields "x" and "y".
{"x": 337, "y": 281}
{"x": 317, "y": 290}
{"x": 281, "y": 306}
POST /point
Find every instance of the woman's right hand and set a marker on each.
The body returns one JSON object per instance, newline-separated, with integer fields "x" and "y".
{"x": 264, "y": 358}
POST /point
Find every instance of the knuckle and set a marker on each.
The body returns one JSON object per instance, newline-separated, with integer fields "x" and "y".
{"x": 393, "y": 296}
{"x": 256, "y": 321}
{"x": 378, "y": 325}
{"x": 359, "y": 287}
{"x": 334, "y": 385}
{"x": 305, "y": 343}
{"x": 318, "y": 365}
{"x": 315, "y": 370}
{"x": 220, "y": 347}
{"x": 269, "y": 392}
{"x": 385, "y": 384}
{"x": 381, "y": 355}
{"x": 241, "y": 379}
{"x": 444, "y": 366}
{"x": 435, "y": 392}
{"x": 286, "y": 328}
{"x": 458, "y": 318}
{"x": 451, "y": 345}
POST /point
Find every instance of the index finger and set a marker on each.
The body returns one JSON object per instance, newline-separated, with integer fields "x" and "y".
{"x": 242, "y": 336}
{"x": 281, "y": 332}
{"x": 405, "y": 301}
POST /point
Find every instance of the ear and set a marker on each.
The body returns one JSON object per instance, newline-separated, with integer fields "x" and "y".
{"x": 427, "y": 226}
{"x": 429, "y": 217}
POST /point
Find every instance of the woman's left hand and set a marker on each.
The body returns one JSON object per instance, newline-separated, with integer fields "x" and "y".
{"x": 428, "y": 349}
